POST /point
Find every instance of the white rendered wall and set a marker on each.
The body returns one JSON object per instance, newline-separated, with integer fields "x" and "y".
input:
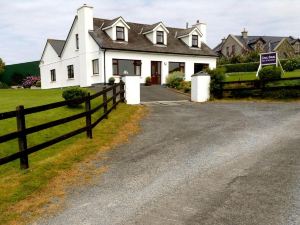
{"x": 146, "y": 59}
{"x": 112, "y": 32}
{"x": 132, "y": 90}
{"x": 200, "y": 88}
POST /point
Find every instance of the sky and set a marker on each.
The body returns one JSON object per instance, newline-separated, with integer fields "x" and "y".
{"x": 25, "y": 25}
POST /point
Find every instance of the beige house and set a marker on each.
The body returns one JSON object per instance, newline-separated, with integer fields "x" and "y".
{"x": 235, "y": 45}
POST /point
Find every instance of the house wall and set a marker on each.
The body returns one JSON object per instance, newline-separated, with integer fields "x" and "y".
{"x": 146, "y": 59}
{"x": 285, "y": 50}
{"x": 296, "y": 47}
{"x": 230, "y": 41}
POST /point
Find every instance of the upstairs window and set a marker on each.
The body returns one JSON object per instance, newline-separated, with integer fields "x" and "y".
{"x": 95, "y": 63}
{"x": 195, "y": 41}
{"x": 53, "y": 75}
{"x": 70, "y": 71}
{"x": 120, "y": 33}
{"x": 77, "y": 41}
{"x": 160, "y": 37}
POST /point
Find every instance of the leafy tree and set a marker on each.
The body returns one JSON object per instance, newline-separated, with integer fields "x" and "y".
{"x": 2, "y": 65}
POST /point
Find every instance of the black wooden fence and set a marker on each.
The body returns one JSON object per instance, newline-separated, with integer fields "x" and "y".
{"x": 22, "y": 132}
{"x": 258, "y": 86}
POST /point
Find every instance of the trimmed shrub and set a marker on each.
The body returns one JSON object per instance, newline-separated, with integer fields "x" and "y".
{"x": 73, "y": 93}
{"x": 111, "y": 80}
{"x": 38, "y": 84}
{"x": 3, "y": 85}
{"x": 174, "y": 79}
{"x": 148, "y": 81}
{"x": 30, "y": 81}
{"x": 217, "y": 77}
{"x": 269, "y": 73}
{"x": 185, "y": 86}
{"x": 241, "y": 67}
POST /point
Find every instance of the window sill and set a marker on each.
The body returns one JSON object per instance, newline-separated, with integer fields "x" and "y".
{"x": 95, "y": 75}
{"x": 160, "y": 45}
{"x": 53, "y": 81}
{"x": 76, "y": 50}
{"x": 71, "y": 79}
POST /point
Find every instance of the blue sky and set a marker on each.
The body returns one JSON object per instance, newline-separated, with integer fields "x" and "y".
{"x": 26, "y": 24}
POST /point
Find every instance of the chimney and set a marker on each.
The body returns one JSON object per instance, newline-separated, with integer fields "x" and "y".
{"x": 223, "y": 40}
{"x": 202, "y": 27}
{"x": 187, "y": 25}
{"x": 245, "y": 34}
{"x": 84, "y": 25}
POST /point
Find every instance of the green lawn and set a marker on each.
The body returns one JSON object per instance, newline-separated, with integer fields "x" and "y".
{"x": 17, "y": 185}
{"x": 245, "y": 76}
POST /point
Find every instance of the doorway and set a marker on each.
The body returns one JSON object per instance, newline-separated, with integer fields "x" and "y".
{"x": 155, "y": 72}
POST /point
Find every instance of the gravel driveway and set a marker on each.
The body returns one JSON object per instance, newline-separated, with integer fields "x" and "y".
{"x": 214, "y": 163}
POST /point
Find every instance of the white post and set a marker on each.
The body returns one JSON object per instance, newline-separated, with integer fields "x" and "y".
{"x": 200, "y": 87}
{"x": 132, "y": 89}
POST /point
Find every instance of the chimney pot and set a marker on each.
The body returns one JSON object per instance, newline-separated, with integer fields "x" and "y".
{"x": 245, "y": 34}
{"x": 198, "y": 21}
{"x": 187, "y": 25}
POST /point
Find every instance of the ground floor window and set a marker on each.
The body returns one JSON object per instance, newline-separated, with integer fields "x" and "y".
{"x": 53, "y": 75}
{"x": 198, "y": 67}
{"x": 176, "y": 66}
{"x": 70, "y": 71}
{"x": 95, "y": 63}
{"x": 127, "y": 67}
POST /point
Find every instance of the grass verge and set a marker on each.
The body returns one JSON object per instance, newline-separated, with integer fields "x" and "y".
{"x": 27, "y": 194}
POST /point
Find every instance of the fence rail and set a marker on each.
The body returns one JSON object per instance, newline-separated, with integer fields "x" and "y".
{"x": 22, "y": 132}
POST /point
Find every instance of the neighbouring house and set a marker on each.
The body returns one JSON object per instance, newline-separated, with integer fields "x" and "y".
{"x": 235, "y": 45}
{"x": 97, "y": 49}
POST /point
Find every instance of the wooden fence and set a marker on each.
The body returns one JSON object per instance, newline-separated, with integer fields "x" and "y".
{"x": 22, "y": 132}
{"x": 258, "y": 86}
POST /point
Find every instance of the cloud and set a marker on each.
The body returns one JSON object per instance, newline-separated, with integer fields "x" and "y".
{"x": 25, "y": 25}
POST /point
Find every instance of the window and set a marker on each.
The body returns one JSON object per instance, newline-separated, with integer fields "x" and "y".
{"x": 227, "y": 51}
{"x": 77, "y": 41}
{"x": 160, "y": 37}
{"x": 70, "y": 71}
{"x": 176, "y": 66}
{"x": 124, "y": 67}
{"x": 120, "y": 33}
{"x": 95, "y": 63}
{"x": 195, "y": 42}
{"x": 233, "y": 50}
{"x": 53, "y": 75}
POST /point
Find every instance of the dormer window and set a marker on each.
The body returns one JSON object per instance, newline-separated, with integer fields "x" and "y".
{"x": 195, "y": 42}
{"x": 120, "y": 33}
{"x": 160, "y": 37}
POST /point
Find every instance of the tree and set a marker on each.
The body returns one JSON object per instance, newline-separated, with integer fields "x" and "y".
{"x": 2, "y": 65}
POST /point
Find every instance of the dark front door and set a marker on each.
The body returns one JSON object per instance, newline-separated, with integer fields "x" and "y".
{"x": 155, "y": 72}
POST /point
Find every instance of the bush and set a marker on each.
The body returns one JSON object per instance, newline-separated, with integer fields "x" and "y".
{"x": 217, "y": 77}
{"x": 185, "y": 86}
{"x": 148, "y": 81}
{"x": 241, "y": 67}
{"x": 30, "y": 81}
{"x": 38, "y": 84}
{"x": 111, "y": 80}
{"x": 269, "y": 73}
{"x": 174, "y": 79}
{"x": 73, "y": 93}
{"x": 3, "y": 85}
{"x": 290, "y": 65}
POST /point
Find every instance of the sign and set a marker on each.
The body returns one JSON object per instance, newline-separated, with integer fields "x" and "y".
{"x": 268, "y": 59}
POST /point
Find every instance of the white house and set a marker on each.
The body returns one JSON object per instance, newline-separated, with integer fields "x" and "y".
{"x": 97, "y": 49}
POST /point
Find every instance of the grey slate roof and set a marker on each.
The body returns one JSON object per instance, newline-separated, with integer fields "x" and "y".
{"x": 185, "y": 31}
{"x": 150, "y": 27}
{"x": 57, "y": 45}
{"x": 139, "y": 42}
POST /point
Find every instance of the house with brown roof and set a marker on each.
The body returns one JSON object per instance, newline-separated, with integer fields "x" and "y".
{"x": 97, "y": 49}
{"x": 235, "y": 45}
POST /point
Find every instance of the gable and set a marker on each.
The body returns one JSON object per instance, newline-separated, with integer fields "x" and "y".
{"x": 49, "y": 55}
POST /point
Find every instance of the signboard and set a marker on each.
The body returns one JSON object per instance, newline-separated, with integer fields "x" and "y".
{"x": 268, "y": 59}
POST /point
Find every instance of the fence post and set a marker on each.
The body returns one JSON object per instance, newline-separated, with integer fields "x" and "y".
{"x": 88, "y": 117}
{"x": 114, "y": 96}
{"x": 105, "y": 101}
{"x": 122, "y": 91}
{"x": 22, "y": 140}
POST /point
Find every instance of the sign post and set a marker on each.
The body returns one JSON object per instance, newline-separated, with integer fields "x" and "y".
{"x": 267, "y": 59}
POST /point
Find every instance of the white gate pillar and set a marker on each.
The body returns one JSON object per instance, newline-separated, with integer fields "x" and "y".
{"x": 132, "y": 89}
{"x": 200, "y": 87}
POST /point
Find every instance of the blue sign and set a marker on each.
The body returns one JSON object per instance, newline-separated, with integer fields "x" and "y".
{"x": 268, "y": 59}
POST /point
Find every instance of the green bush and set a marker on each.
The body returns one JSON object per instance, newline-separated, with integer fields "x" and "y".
{"x": 217, "y": 77}
{"x": 38, "y": 84}
{"x": 290, "y": 65}
{"x": 111, "y": 80}
{"x": 3, "y": 85}
{"x": 148, "y": 81}
{"x": 73, "y": 93}
{"x": 269, "y": 73}
{"x": 174, "y": 79}
{"x": 241, "y": 67}
{"x": 185, "y": 86}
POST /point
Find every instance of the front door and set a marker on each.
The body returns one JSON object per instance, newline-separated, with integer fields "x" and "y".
{"x": 155, "y": 72}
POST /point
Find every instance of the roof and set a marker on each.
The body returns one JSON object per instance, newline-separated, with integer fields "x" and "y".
{"x": 139, "y": 42}
{"x": 185, "y": 32}
{"x": 151, "y": 27}
{"x": 57, "y": 45}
